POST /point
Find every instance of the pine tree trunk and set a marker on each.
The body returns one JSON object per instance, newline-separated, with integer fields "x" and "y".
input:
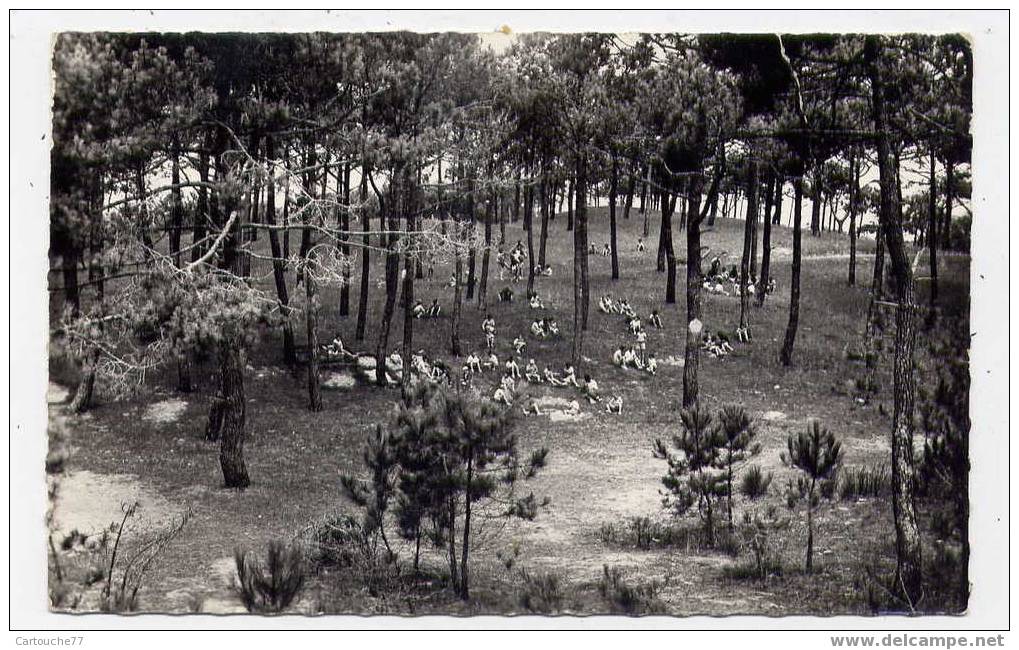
{"x": 232, "y": 432}
{"x": 311, "y": 319}
{"x": 816, "y": 197}
{"x": 854, "y": 173}
{"x": 907, "y": 533}
{"x": 201, "y": 208}
{"x": 946, "y": 230}
{"x": 612, "y": 218}
{"x": 580, "y": 265}
{"x": 529, "y": 227}
{"x": 362, "y": 303}
{"x": 668, "y": 207}
{"x": 810, "y": 530}
{"x": 455, "y": 348}
{"x": 344, "y": 239}
{"x": 282, "y": 295}
{"x": 392, "y": 279}
{"x": 516, "y": 198}
{"x": 691, "y": 389}
{"x": 465, "y": 545}
{"x": 631, "y": 185}
{"x": 483, "y": 287}
{"x": 571, "y": 201}
{"x": 542, "y": 191}
{"x": 774, "y": 189}
{"x": 786, "y": 356}
{"x": 748, "y": 238}
{"x": 932, "y": 230}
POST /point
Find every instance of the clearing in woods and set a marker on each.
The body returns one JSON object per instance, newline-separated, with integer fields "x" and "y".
{"x": 600, "y": 473}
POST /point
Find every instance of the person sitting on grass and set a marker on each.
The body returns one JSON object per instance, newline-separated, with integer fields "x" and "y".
{"x": 418, "y": 311}
{"x": 634, "y": 324}
{"x": 419, "y": 364}
{"x": 771, "y": 286}
{"x": 434, "y": 310}
{"x": 605, "y": 304}
{"x": 716, "y": 266}
{"x": 714, "y": 345}
{"x": 531, "y": 372}
{"x": 591, "y": 390}
{"x": 503, "y": 395}
{"x": 335, "y": 350}
{"x": 629, "y": 357}
{"x": 656, "y": 320}
{"x": 506, "y": 295}
{"x": 491, "y": 362}
{"x": 723, "y": 341}
{"x": 519, "y": 344}
{"x": 652, "y": 365}
{"x": 570, "y": 376}
{"x": 536, "y": 302}
{"x": 439, "y": 372}
{"x": 473, "y": 362}
{"x": 538, "y": 329}
{"x": 626, "y": 310}
{"x": 573, "y": 409}
{"x": 512, "y": 368}
{"x": 640, "y": 244}
{"x": 548, "y": 271}
{"x": 606, "y": 251}
{"x": 551, "y": 378}
{"x": 592, "y": 249}
{"x": 530, "y": 406}
{"x": 552, "y": 327}
{"x": 615, "y": 405}
{"x": 466, "y": 375}
{"x": 617, "y": 357}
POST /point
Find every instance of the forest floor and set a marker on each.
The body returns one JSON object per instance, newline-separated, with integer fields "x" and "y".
{"x": 600, "y": 474}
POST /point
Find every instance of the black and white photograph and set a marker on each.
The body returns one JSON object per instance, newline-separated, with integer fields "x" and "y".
{"x": 539, "y": 324}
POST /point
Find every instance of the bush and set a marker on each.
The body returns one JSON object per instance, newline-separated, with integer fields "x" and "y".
{"x": 346, "y": 543}
{"x": 754, "y": 536}
{"x": 863, "y": 482}
{"x": 755, "y": 483}
{"x": 273, "y": 586}
{"x": 646, "y": 533}
{"x": 542, "y": 592}
{"x": 633, "y": 600}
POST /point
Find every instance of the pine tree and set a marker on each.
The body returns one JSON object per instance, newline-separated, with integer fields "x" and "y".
{"x": 818, "y": 455}
{"x": 695, "y": 477}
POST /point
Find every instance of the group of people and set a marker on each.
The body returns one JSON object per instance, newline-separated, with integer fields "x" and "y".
{"x": 513, "y": 261}
{"x": 432, "y": 311}
{"x": 718, "y": 278}
{"x": 544, "y": 328}
{"x": 630, "y": 356}
{"x": 715, "y": 343}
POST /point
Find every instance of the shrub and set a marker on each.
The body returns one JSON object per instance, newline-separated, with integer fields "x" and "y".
{"x": 755, "y": 483}
{"x": 128, "y": 560}
{"x": 862, "y": 482}
{"x": 542, "y": 593}
{"x": 695, "y": 477}
{"x": 633, "y": 600}
{"x": 273, "y": 586}
{"x": 346, "y": 542}
{"x": 817, "y": 454}
{"x": 754, "y": 537}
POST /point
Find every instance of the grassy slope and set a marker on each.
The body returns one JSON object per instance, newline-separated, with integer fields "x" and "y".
{"x": 600, "y": 468}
